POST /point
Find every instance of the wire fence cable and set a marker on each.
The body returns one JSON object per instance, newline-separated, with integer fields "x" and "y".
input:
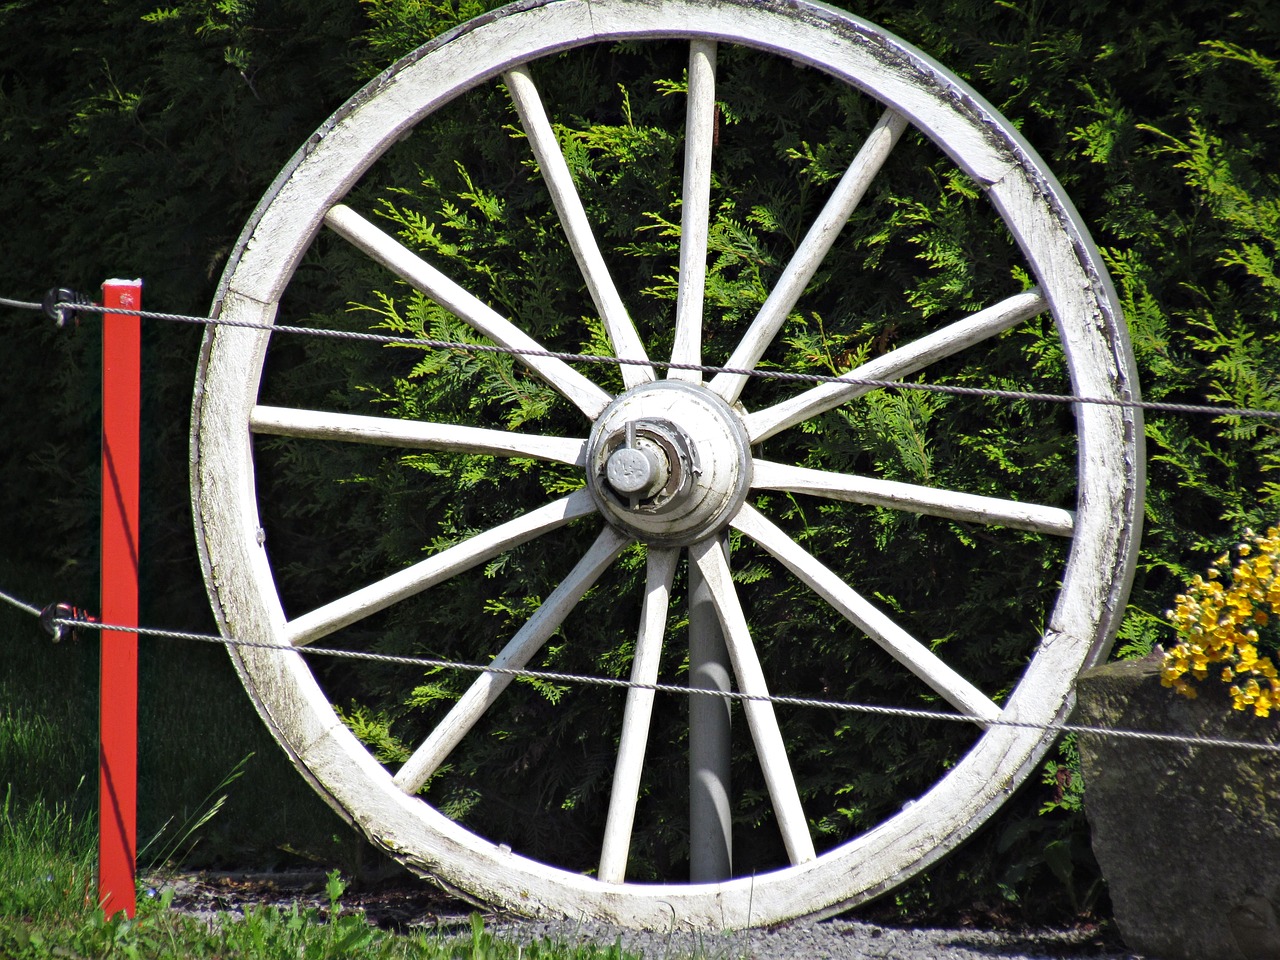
{"x": 549, "y": 676}
{"x": 590, "y": 358}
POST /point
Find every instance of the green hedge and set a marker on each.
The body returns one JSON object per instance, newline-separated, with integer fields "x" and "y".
{"x": 136, "y": 139}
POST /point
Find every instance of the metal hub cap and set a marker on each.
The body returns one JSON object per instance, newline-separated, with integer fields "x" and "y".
{"x": 668, "y": 462}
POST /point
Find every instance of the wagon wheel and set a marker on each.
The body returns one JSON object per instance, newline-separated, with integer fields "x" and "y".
{"x": 668, "y": 460}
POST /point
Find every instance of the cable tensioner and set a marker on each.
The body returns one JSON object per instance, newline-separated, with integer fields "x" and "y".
{"x": 53, "y": 618}
{"x": 59, "y": 306}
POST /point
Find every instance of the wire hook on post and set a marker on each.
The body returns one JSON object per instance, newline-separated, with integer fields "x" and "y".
{"x": 59, "y": 305}
{"x": 55, "y": 617}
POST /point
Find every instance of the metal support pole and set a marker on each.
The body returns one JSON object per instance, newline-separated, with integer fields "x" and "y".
{"x": 710, "y": 829}
{"x": 118, "y": 692}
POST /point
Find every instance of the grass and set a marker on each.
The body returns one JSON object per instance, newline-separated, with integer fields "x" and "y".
{"x": 158, "y": 932}
{"x": 46, "y": 860}
{"x": 197, "y": 730}
{"x": 265, "y": 934}
{"x": 47, "y": 912}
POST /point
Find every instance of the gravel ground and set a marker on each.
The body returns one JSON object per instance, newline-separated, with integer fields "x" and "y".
{"x": 405, "y": 907}
{"x": 833, "y": 940}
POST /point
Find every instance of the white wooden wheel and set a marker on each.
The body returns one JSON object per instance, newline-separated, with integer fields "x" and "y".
{"x": 668, "y": 462}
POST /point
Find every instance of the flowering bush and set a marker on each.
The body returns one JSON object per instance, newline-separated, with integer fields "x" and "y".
{"x": 1218, "y": 619}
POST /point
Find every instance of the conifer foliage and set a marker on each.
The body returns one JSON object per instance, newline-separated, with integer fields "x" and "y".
{"x": 138, "y": 141}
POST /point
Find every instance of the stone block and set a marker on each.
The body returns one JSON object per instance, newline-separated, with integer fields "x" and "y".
{"x": 1187, "y": 836}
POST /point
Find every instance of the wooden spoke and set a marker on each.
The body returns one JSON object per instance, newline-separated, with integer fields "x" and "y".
{"x": 913, "y": 498}
{"x": 909, "y": 651}
{"x": 573, "y": 217}
{"x": 898, "y": 363}
{"x": 661, "y": 571}
{"x": 695, "y": 213}
{"x": 406, "y": 264}
{"x": 811, "y": 252}
{"x": 763, "y": 723}
{"x": 390, "y": 432}
{"x": 367, "y": 601}
{"x": 515, "y": 655}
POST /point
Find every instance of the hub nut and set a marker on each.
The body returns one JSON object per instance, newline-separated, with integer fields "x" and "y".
{"x": 649, "y": 464}
{"x": 650, "y": 476}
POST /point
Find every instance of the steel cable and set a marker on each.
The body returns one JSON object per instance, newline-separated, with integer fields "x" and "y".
{"x": 14, "y": 601}
{"x": 613, "y": 682}
{"x": 814, "y": 378}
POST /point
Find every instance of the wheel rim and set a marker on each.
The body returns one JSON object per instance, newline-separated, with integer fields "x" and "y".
{"x": 1071, "y": 281}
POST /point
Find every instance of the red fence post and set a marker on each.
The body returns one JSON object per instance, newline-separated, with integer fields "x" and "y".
{"x": 118, "y": 691}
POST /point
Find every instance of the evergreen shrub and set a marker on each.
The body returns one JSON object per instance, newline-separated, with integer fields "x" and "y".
{"x": 155, "y": 134}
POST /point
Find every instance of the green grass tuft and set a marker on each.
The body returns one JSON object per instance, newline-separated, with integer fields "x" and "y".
{"x": 46, "y": 860}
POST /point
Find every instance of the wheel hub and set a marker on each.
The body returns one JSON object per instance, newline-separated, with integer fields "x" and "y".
{"x": 668, "y": 462}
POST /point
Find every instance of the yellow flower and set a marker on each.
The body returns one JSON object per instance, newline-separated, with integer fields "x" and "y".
{"x": 1217, "y": 618}
{"x": 1262, "y": 706}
